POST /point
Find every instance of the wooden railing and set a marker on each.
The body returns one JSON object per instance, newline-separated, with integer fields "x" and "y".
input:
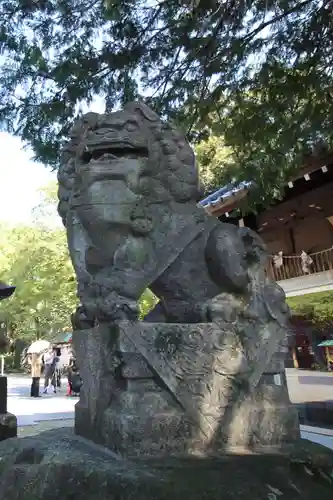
{"x": 292, "y": 266}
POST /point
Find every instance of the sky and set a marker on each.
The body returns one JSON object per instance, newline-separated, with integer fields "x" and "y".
{"x": 21, "y": 177}
{"x": 20, "y": 180}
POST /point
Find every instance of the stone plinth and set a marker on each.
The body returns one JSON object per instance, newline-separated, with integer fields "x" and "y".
{"x": 3, "y": 395}
{"x": 58, "y": 465}
{"x": 8, "y": 426}
{"x": 8, "y": 422}
{"x": 154, "y": 389}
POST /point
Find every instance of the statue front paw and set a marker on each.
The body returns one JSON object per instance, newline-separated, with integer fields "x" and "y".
{"x": 81, "y": 319}
{"x": 224, "y": 307}
{"x": 115, "y": 307}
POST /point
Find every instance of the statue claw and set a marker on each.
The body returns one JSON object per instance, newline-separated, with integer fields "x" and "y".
{"x": 82, "y": 320}
{"x": 114, "y": 307}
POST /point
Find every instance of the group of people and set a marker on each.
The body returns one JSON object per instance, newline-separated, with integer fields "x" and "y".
{"x": 49, "y": 363}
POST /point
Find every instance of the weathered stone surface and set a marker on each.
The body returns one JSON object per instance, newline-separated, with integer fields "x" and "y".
{"x": 8, "y": 421}
{"x": 8, "y": 426}
{"x": 58, "y": 465}
{"x": 190, "y": 388}
{"x": 195, "y": 376}
{"x": 3, "y": 395}
{"x": 128, "y": 198}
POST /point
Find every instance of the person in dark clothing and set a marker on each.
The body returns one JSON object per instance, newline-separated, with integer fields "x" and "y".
{"x": 56, "y": 379}
{"x": 74, "y": 380}
{"x": 36, "y": 371}
{"x": 50, "y": 360}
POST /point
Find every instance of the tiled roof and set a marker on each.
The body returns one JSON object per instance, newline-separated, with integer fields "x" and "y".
{"x": 223, "y": 194}
{"x": 62, "y": 338}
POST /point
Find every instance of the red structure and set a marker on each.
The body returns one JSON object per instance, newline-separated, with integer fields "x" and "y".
{"x": 301, "y": 348}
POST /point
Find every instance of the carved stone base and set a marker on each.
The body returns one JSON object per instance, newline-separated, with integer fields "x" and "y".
{"x": 162, "y": 389}
{"x": 255, "y": 424}
{"x": 8, "y": 426}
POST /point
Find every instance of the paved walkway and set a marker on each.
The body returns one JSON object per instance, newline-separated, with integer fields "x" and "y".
{"x": 57, "y": 410}
{"x": 42, "y": 426}
{"x": 306, "y": 386}
{"x": 30, "y": 411}
{"x": 318, "y": 435}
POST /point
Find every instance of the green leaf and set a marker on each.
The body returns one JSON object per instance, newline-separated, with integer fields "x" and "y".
{"x": 257, "y": 74}
{"x": 35, "y": 259}
{"x": 317, "y": 307}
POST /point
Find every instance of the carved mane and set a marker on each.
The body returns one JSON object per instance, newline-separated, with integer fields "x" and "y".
{"x": 171, "y": 159}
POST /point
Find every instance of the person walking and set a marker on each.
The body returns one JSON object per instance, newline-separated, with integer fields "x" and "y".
{"x": 50, "y": 360}
{"x": 36, "y": 371}
{"x": 74, "y": 380}
{"x": 58, "y": 368}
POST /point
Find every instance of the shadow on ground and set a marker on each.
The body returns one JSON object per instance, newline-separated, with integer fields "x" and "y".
{"x": 315, "y": 380}
{"x": 317, "y": 414}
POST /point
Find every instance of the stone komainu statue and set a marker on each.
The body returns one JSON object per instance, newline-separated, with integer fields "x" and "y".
{"x": 128, "y": 191}
{"x": 201, "y": 370}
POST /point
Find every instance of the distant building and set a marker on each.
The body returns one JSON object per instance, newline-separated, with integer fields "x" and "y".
{"x": 298, "y": 232}
{"x": 301, "y": 222}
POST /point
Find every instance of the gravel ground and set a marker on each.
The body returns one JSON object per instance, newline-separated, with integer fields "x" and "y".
{"x": 33, "y": 430}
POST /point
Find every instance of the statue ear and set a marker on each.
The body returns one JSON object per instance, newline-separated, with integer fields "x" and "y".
{"x": 82, "y": 123}
{"x": 142, "y": 111}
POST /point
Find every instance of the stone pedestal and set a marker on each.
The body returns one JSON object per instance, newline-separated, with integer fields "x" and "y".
{"x": 8, "y": 426}
{"x": 59, "y": 465}
{"x": 165, "y": 389}
{"x": 8, "y": 422}
{"x": 3, "y": 395}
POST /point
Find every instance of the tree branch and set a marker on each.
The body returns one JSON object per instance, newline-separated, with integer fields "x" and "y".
{"x": 276, "y": 19}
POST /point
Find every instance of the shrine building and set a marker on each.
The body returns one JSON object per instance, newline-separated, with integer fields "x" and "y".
{"x": 298, "y": 232}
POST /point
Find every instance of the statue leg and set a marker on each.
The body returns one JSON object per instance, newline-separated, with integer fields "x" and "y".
{"x": 226, "y": 259}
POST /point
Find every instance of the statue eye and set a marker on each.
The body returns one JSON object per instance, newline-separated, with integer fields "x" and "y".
{"x": 130, "y": 127}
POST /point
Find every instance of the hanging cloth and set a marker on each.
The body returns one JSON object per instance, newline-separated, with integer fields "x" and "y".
{"x": 306, "y": 262}
{"x": 278, "y": 260}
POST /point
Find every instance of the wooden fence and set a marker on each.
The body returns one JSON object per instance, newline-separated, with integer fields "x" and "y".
{"x": 292, "y": 265}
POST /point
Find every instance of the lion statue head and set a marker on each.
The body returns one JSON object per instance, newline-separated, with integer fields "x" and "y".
{"x": 112, "y": 160}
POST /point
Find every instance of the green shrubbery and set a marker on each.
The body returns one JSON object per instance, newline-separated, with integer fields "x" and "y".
{"x": 316, "y": 307}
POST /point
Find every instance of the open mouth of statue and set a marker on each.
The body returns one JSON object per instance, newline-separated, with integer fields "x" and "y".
{"x": 108, "y": 153}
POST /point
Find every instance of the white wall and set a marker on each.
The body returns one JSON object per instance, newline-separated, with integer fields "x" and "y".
{"x": 313, "y": 283}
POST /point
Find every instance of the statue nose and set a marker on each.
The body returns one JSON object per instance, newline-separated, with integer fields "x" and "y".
{"x": 6, "y": 290}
